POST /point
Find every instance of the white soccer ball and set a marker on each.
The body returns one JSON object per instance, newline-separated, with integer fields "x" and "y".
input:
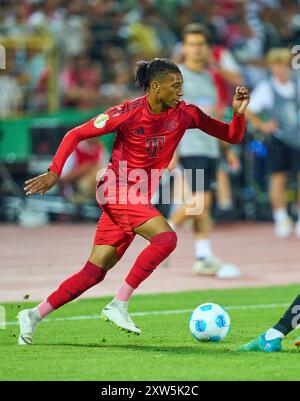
{"x": 209, "y": 322}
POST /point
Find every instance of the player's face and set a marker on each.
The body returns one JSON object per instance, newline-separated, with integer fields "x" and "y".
{"x": 195, "y": 47}
{"x": 170, "y": 89}
{"x": 280, "y": 70}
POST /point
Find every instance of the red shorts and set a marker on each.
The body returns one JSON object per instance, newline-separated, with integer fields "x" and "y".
{"x": 116, "y": 224}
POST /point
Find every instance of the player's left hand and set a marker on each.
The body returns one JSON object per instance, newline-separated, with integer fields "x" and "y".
{"x": 241, "y": 100}
{"x": 41, "y": 184}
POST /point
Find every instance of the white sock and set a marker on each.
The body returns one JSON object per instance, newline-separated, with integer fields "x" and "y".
{"x": 35, "y": 314}
{"x": 202, "y": 248}
{"x": 119, "y": 304}
{"x": 298, "y": 222}
{"x": 272, "y": 334}
{"x": 280, "y": 214}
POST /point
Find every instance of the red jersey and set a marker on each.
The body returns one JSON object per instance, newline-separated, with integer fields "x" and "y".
{"x": 145, "y": 140}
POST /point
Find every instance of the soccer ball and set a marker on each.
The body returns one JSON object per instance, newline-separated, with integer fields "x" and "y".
{"x": 209, "y": 322}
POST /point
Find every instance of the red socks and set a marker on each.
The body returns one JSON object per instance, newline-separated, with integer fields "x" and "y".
{"x": 160, "y": 247}
{"x": 75, "y": 285}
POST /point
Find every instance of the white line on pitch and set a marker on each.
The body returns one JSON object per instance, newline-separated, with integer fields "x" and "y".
{"x": 161, "y": 312}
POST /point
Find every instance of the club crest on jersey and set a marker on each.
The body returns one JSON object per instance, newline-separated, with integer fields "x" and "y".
{"x": 101, "y": 120}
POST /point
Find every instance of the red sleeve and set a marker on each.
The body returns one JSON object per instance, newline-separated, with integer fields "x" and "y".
{"x": 100, "y": 125}
{"x": 232, "y": 133}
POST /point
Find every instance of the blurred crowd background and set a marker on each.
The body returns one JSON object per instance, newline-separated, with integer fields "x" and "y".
{"x": 81, "y": 56}
{"x": 98, "y": 42}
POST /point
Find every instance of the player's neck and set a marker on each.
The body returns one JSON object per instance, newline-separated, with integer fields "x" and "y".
{"x": 155, "y": 107}
{"x": 196, "y": 66}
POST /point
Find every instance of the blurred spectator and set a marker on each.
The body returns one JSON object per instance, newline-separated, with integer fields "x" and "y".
{"x": 36, "y": 81}
{"x": 80, "y": 82}
{"x": 166, "y": 38}
{"x": 279, "y": 97}
{"x": 118, "y": 90}
{"x": 226, "y": 72}
{"x": 16, "y": 21}
{"x": 11, "y": 93}
{"x": 75, "y": 32}
{"x": 114, "y": 58}
{"x": 143, "y": 38}
{"x": 106, "y": 29}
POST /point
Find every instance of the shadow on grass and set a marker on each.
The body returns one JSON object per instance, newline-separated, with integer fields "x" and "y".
{"x": 205, "y": 348}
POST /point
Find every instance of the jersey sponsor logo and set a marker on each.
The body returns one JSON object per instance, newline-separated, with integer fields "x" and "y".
{"x": 155, "y": 145}
{"x": 101, "y": 120}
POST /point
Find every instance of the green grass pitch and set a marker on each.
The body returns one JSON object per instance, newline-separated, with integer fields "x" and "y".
{"x": 91, "y": 349}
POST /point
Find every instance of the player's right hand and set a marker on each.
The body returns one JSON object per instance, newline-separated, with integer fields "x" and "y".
{"x": 41, "y": 184}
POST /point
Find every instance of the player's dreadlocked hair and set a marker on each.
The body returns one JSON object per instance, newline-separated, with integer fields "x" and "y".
{"x": 147, "y": 70}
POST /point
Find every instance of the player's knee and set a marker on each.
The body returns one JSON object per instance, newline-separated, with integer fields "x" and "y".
{"x": 166, "y": 242}
{"x": 172, "y": 241}
{"x": 104, "y": 256}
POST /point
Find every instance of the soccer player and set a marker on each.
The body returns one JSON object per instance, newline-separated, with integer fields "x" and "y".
{"x": 148, "y": 131}
{"x": 272, "y": 339}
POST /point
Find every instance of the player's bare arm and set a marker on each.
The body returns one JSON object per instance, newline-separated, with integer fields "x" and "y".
{"x": 41, "y": 184}
{"x": 233, "y": 78}
{"x": 265, "y": 127}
